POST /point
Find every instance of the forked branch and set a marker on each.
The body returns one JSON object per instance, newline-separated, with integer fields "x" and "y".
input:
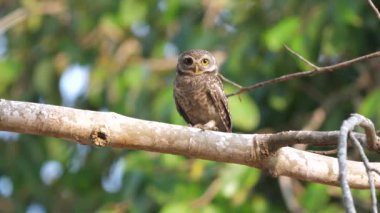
{"x": 346, "y": 133}
{"x": 315, "y": 71}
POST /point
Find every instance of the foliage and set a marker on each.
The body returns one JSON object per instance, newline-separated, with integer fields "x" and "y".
{"x": 129, "y": 49}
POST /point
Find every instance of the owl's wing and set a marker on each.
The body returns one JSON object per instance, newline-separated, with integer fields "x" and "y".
{"x": 220, "y": 101}
{"x": 179, "y": 103}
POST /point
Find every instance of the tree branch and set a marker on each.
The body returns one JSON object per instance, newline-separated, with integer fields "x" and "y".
{"x": 229, "y": 81}
{"x": 345, "y": 131}
{"x": 369, "y": 169}
{"x": 309, "y": 73}
{"x": 374, "y": 8}
{"x": 302, "y": 58}
{"x": 263, "y": 151}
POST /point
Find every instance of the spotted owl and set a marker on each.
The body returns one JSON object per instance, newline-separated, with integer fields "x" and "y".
{"x": 198, "y": 92}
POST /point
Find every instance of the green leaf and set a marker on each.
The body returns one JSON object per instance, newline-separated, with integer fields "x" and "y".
{"x": 163, "y": 104}
{"x": 245, "y": 113}
{"x": 237, "y": 180}
{"x": 132, "y": 11}
{"x": 133, "y": 76}
{"x": 176, "y": 207}
{"x": 9, "y": 71}
{"x": 281, "y": 33}
{"x": 278, "y": 102}
{"x": 44, "y": 79}
{"x": 315, "y": 197}
{"x": 370, "y": 106}
{"x": 259, "y": 204}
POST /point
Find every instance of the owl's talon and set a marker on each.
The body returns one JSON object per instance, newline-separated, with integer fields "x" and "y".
{"x": 211, "y": 125}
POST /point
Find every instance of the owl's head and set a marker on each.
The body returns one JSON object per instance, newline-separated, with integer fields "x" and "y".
{"x": 195, "y": 62}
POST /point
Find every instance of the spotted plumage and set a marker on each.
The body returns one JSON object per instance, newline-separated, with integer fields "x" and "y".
{"x": 198, "y": 92}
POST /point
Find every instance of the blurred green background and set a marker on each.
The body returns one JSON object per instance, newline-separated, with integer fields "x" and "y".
{"x": 120, "y": 56}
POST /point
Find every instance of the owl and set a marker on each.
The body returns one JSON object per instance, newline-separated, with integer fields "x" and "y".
{"x": 198, "y": 92}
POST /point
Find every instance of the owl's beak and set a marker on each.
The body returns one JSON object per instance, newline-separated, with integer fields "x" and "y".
{"x": 196, "y": 69}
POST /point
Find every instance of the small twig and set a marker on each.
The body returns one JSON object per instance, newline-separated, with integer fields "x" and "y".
{"x": 309, "y": 73}
{"x": 302, "y": 58}
{"x": 229, "y": 81}
{"x": 368, "y": 169}
{"x": 374, "y": 8}
{"x": 375, "y": 170}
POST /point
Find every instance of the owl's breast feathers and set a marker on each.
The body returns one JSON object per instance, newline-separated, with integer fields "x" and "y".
{"x": 200, "y": 99}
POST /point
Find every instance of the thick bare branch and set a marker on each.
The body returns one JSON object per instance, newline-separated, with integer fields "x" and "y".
{"x": 257, "y": 150}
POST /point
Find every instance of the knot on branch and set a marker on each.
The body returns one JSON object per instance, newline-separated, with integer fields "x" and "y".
{"x": 100, "y": 136}
{"x": 259, "y": 149}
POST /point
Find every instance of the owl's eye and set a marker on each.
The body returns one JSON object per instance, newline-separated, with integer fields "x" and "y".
{"x": 205, "y": 61}
{"x": 188, "y": 61}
